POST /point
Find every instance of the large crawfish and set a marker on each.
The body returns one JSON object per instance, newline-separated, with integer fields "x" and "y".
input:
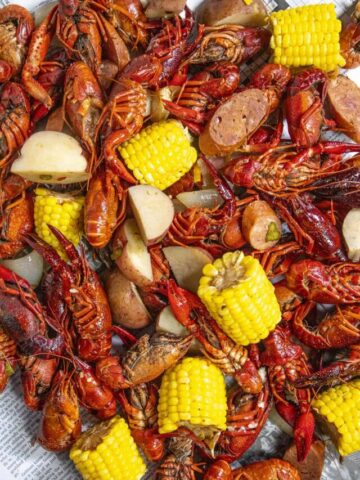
{"x": 284, "y": 170}
{"x": 7, "y": 358}
{"x": 287, "y": 362}
{"x": 231, "y": 358}
{"x": 334, "y": 284}
{"x": 83, "y": 294}
{"x": 272, "y": 469}
{"x": 16, "y": 26}
{"x": 337, "y": 329}
{"x": 16, "y": 215}
{"x": 60, "y": 420}
{"x": 350, "y": 40}
{"x": 219, "y": 470}
{"x": 14, "y": 121}
{"x": 146, "y": 360}
{"x": 139, "y": 404}
{"x": 230, "y": 43}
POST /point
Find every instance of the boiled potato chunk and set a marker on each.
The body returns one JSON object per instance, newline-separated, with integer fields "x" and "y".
{"x": 239, "y": 12}
{"x": 166, "y": 322}
{"x": 153, "y": 211}
{"x": 351, "y": 234}
{"x": 51, "y": 157}
{"x": 200, "y": 199}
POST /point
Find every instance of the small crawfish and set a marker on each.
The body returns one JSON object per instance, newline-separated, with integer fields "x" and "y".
{"x": 60, "y": 420}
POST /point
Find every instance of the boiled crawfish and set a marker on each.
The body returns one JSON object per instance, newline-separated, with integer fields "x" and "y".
{"x": 139, "y": 404}
{"x": 277, "y": 260}
{"x": 8, "y": 358}
{"x": 83, "y": 294}
{"x": 231, "y": 43}
{"x": 14, "y": 121}
{"x": 287, "y": 362}
{"x": 337, "y": 329}
{"x": 60, "y": 420}
{"x": 16, "y": 215}
{"x": 179, "y": 464}
{"x": 219, "y": 470}
{"x": 350, "y": 40}
{"x": 334, "y": 284}
{"x": 272, "y": 469}
{"x": 16, "y": 26}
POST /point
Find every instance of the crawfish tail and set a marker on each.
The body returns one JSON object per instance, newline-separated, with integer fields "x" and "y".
{"x": 343, "y": 186}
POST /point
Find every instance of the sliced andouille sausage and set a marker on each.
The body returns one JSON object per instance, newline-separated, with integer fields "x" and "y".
{"x": 344, "y": 100}
{"x": 311, "y": 468}
{"x": 260, "y": 225}
{"x": 234, "y": 122}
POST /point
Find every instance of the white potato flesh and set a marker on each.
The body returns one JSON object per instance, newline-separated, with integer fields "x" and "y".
{"x": 51, "y": 157}
{"x": 200, "y": 199}
{"x": 351, "y": 234}
{"x": 153, "y": 211}
{"x": 187, "y": 264}
{"x": 135, "y": 260}
{"x": 166, "y": 322}
{"x": 29, "y": 266}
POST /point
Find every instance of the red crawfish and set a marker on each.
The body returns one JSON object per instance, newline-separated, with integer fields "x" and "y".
{"x": 213, "y": 229}
{"x": 179, "y": 464}
{"x": 350, "y": 40}
{"x": 166, "y": 50}
{"x": 231, "y": 358}
{"x": 37, "y": 374}
{"x": 337, "y": 329}
{"x": 231, "y": 43}
{"x": 277, "y": 260}
{"x": 14, "y": 121}
{"x": 312, "y": 228}
{"x": 8, "y": 358}
{"x": 16, "y": 26}
{"x": 60, "y": 423}
{"x": 83, "y": 102}
{"x": 147, "y": 359}
{"x": 286, "y": 362}
{"x": 219, "y": 470}
{"x": 84, "y": 296}
{"x": 139, "y": 404}
{"x": 23, "y": 317}
{"x": 283, "y": 170}
{"x": 304, "y": 106}
{"x": 201, "y": 94}
{"x": 333, "y": 284}
{"x": 272, "y": 469}
{"x": 342, "y": 370}
{"x": 288, "y": 300}
{"x": 16, "y": 215}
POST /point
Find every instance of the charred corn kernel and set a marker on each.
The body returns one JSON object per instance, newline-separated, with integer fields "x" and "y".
{"x": 339, "y": 409}
{"x": 62, "y": 211}
{"x": 313, "y": 28}
{"x": 108, "y": 452}
{"x": 193, "y": 394}
{"x": 240, "y": 297}
{"x": 160, "y": 154}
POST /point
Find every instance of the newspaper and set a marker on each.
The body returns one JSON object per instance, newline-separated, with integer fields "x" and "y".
{"x": 22, "y": 459}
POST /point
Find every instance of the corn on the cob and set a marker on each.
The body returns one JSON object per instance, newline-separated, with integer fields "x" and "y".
{"x": 339, "y": 407}
{"x": 108, "y": 452}
{"x": 160, "y": 154}
{"x": 308, "y": 35}
{"x": 193, "y": 394}
{"x": 240, "y": 297}
{"x": 63, "y": 211}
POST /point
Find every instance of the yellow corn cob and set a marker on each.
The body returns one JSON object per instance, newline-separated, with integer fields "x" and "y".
{"x": 240, "y": 297}
{"x": 108, "y": 452}
{"x": 307, "y": 35}
{"x": 63, "y": 212}
{"x": 160, "y": 154}
{"x": 193, "y": 394}
{"x": 339, "y": 407}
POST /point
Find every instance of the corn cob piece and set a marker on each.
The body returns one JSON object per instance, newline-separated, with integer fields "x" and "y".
{"x": 160, "y": 154}
{"x": 63, "y": 211}
{"x": 193, "y": 394}
{"x": 308, "y": 35}
{"x": 339, "y": 408}
{"x": 108, "y": 452}
{"x": 240, "y": 297}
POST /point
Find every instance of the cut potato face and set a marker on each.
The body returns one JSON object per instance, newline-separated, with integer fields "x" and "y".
{"x": 158, "y": 111}
{"x": 351, "y": 234}
{"x": 153, "y": 211}
{"x": 200, "y": 199}
{"x": 51, "y": 157}
{"x": 134, "y": 260}
{"x": 186, "y": 264}
{"x": 166, "y": 322}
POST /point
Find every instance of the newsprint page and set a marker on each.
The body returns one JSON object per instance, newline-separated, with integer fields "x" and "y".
{"x": 21, "y": 458}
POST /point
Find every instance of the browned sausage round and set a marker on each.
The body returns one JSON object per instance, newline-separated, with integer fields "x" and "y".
{"x": 260, "y": 225}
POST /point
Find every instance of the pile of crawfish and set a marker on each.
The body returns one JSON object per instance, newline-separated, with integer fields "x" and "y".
{"x": 89, "y": 67}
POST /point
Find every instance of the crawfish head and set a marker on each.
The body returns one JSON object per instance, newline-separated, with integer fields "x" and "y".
{"x": 241, "y": 171}
{"x": 279, "y": 348}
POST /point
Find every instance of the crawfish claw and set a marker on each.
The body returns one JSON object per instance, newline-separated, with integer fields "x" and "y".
{"x": 303, "y": 433}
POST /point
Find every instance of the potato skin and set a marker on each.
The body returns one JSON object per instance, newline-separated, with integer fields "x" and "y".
{"x": 222, "y": 12}
{"x": 344, "y": 100}
{"x": 234, "y": 122}
{"x": 256, "y": 220}
{"x": 126, "y": 306}
{"x": 160, "y": 8}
